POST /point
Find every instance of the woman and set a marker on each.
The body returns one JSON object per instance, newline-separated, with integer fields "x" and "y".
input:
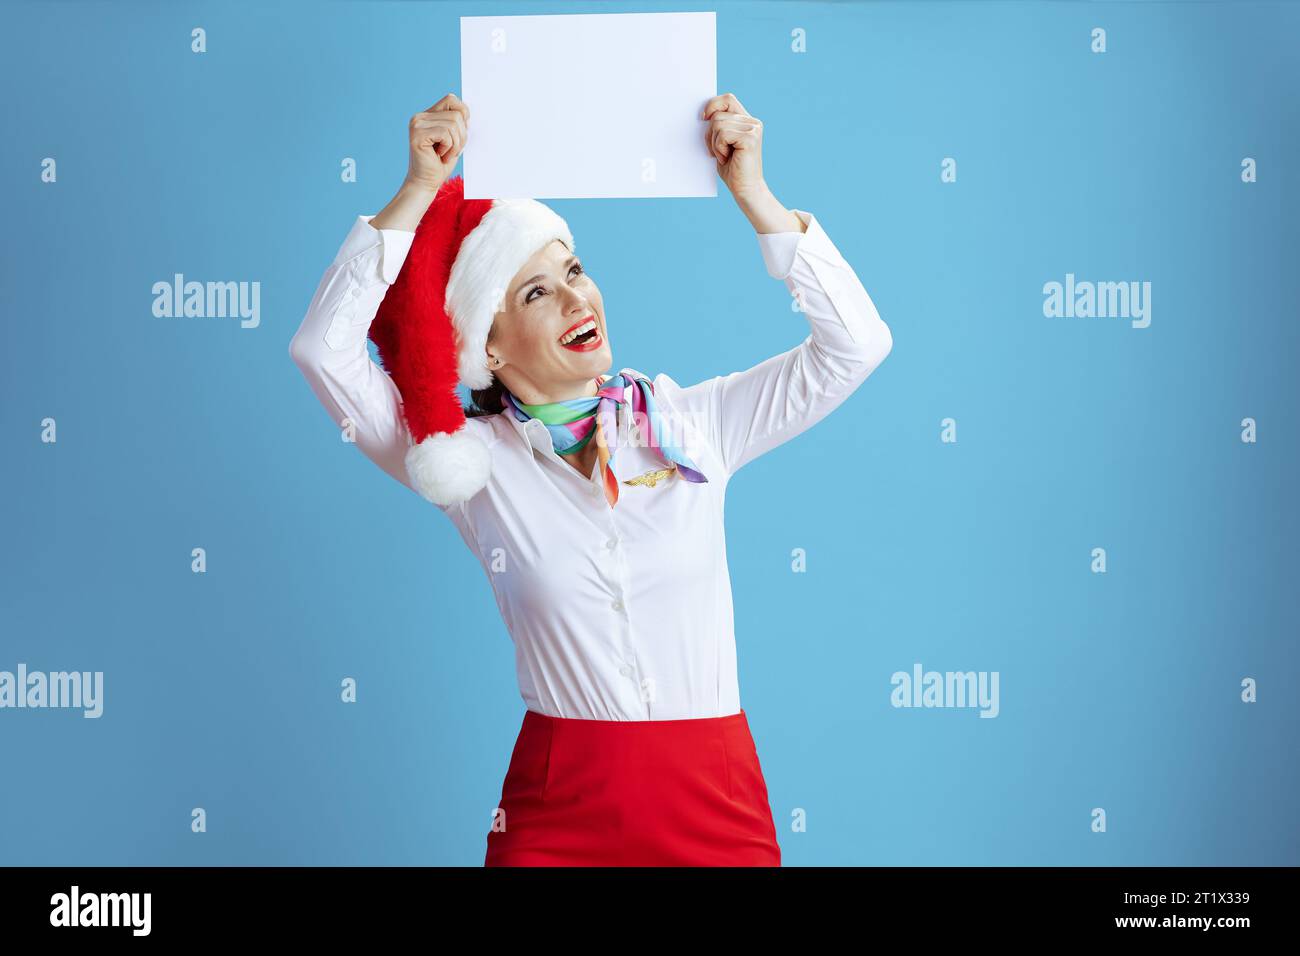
{"x": 594, "y": 502}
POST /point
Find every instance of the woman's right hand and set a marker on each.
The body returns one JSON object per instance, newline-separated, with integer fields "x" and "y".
{"x": 438, "y": 135}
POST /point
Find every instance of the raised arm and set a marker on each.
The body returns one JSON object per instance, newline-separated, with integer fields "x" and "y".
{"x": 330, "y": 344}
{"x": 748, "y": 413}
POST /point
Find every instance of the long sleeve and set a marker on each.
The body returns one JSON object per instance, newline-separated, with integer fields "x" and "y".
{"x": 330, "y": 344}
{"x": 750, "y": 412}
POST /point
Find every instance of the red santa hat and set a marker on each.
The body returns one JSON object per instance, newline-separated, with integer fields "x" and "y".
{"x": 432, "y": 326}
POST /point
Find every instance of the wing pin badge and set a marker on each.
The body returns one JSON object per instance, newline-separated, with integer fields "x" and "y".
{"x": 650, "y": 478}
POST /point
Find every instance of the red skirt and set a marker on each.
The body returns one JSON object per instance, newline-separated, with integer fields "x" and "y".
{"x": 686, "y": 792}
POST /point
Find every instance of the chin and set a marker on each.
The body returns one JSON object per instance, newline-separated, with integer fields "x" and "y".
{"x": 591, "y": 363}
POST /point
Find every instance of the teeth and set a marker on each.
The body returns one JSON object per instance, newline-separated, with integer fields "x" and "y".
{"x": 585, "y": 327}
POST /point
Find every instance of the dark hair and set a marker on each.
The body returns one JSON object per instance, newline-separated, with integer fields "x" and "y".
{"x": 486, "y": 401}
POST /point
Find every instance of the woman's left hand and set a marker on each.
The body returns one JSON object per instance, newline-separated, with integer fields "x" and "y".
{"x": 736, "y": 141}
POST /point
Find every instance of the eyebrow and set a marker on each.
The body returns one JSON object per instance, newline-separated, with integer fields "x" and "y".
{"x": 541, "y": 275}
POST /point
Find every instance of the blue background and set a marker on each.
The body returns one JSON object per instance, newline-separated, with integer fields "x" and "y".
{"x": 1118, "y": 690}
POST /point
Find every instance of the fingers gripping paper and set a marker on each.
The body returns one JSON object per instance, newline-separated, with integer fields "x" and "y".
{"x": 588, "y": 105}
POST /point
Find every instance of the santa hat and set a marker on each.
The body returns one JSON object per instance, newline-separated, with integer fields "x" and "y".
{"x": 432, "y": 326}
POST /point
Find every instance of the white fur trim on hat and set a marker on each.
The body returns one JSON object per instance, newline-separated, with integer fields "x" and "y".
{"x": 449, "y": 467}
{"x": 507, "y": 236}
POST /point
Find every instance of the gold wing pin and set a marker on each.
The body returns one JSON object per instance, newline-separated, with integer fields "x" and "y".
{"x": 650, "y": 478}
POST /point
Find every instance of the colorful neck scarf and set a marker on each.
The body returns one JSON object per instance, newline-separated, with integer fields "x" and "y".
{"x": 576, "y": 421}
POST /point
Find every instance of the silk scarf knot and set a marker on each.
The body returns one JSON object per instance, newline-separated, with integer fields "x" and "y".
{"x": 575, "y": 422}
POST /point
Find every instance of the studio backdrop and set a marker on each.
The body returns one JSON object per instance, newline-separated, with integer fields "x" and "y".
{"x": 1027, "y": 597}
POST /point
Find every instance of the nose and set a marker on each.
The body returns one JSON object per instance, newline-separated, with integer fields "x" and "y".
{"x": 576, "y": 302}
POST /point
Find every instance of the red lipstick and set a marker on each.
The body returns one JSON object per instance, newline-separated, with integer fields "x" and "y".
{"x": 593, "y": 343}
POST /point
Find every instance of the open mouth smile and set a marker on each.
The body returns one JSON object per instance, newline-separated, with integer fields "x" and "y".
{"x": 582, "y": 336}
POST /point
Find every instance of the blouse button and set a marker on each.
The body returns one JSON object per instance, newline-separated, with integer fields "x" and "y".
{"x": 617, "y": 605}
{"x": 612, "y": 543}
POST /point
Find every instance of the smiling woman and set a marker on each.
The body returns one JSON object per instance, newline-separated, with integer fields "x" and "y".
{"x": 529, "y": 296}
{"x": 550, "y": 341}
{"x": 593, "y": 499}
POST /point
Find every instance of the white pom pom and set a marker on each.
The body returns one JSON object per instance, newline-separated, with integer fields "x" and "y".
{"x": 449, "y": 467}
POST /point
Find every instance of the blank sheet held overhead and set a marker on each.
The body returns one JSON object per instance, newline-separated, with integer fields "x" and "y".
{"x": 588, "y": 105}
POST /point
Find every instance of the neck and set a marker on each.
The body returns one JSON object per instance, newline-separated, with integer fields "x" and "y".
{"x": 530, "y": 394}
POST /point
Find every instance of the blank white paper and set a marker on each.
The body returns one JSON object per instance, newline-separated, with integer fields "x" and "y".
{"x": 592, "y": 106}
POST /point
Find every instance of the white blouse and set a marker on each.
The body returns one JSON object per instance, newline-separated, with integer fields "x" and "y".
{"x": 619, "y": 613}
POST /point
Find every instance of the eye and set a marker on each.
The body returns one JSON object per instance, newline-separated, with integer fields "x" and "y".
{"x": 577, "y": 267}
